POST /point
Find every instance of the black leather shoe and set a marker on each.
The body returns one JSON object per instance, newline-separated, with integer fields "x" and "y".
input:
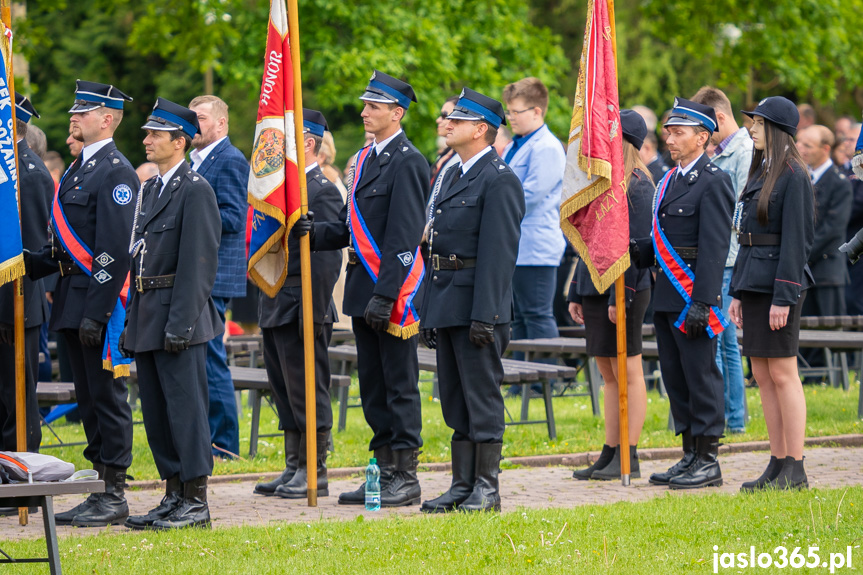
{"x": 404, "y": 488}
{"x": 791, "y": 476}
{"x": 681, "y": 466}
{"x": 763, "y": 482}
{"x": 297, "y": 487}
{"x": 604, "y": 459}
{"x": 486, "y": 490}
{"x": 384, "y": 455}
{"x": 66, "y": 517}
{"x": 111, "y": 507}
{"x": 704, "y": 471}
{"x": 292, "y": 453}
{"x": 611, "y": 471}
{"x": 172, "y": 499}
{"x": 193, "y": 511}
{"x": 463, "y": 478}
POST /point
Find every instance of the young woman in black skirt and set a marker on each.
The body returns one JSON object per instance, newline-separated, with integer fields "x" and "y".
{"x": 775, "y": 223}
{"x": 598, "y": 313}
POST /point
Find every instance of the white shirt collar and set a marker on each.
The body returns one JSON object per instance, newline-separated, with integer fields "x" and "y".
{"x": 311, "y": 167}
{"x": 684, "y": 171}
{"x": 379, "y": 146}
{"x": 466, "y": 166}
{"x": 167, "y": 176}
{"x": 819, "y": 171}
{"x": 198, "y": 156}
{"x": 90, "y": 150}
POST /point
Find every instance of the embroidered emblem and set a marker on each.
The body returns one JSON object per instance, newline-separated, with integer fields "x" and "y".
{"x": 104, "y": 259}
{"x": 122, "y": 194}
{"x": 101, "y": 276}
{"x": 406, "y": 258}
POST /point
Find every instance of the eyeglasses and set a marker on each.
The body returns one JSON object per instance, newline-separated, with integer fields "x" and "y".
{"x": 443, "y": 115}
{"x": 511, "y": 113}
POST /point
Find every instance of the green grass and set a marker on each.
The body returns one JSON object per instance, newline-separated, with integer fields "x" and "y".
{"x": 667, "y": 535}
{"x": 831, "y": 412}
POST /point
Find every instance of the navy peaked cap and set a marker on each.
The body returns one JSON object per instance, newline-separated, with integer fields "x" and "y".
{"x": 168, "y": 116}
{"x": 24, "y": 110}
{"x": 92, "y": 95}
{"x": 781, "y": 111}
{"x": 388, "y": 90}
{"x": 314, "y": 122}
{"x": 634, "y": 128}
{"x": 473, "y": 106}
{"x": 688, "y": 113}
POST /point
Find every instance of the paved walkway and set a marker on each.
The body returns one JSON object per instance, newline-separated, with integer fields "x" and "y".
{"x": 233, "y": 504}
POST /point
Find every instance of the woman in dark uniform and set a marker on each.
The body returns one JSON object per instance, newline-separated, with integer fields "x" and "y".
{"x": 598, "y": 313}
{"x": 775, "y": 222}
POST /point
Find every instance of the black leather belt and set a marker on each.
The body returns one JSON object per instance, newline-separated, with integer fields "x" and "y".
{"x": 452, "y": 262}
{"x": 687, "y": 253}
{"x": 352, "y": 257}
{"x": 69, "y": 269}
{"x": 293, "y": 281}
{"x": 154, "y": 282}
{"x": 759, "y": 239}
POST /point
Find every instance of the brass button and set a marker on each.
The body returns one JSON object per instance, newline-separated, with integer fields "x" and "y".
{"x": 435, "y": 233}
{"x": 434, "y": 278}
{"x": 437, "y": 211}
{"x": 680, "y": 211}
{"x": 462, "y": 202}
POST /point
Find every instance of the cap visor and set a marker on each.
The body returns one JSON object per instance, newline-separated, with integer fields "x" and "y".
{"x": 462, "y": 115}
{"x": 682, "y": 122}
{"x": 161, "y": 126}
{"x": 81, "y": 108}
{"x": 376, "y": 97}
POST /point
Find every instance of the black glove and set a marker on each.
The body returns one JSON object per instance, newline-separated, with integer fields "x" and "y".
{"x": 90, "y": 332}
{"x": 378, "y": 312}
{"x": 429, "y": 337}
{"x": 7, "y": 334}
{"x": 175, "y": 343}
{"x": 128, "y": 354}
{"x": 304, "y": 225}
{"x": 696, "y": 320}
{"x": 634, "y": 252}
{"x": 318, "y": 328}
{"x": 481, "y": 333}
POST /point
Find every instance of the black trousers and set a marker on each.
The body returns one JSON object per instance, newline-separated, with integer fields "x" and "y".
{"x": 286, "y": 370}
{"x": 822, "y": 300}
{"x": 102, "y": 402}
{"x": 469, "y": 379}
{"x": 174, "y": 401}
{"x": 8, "y": 420}
{"x": 694, "y": 383}
{"x": 389, "y": 387}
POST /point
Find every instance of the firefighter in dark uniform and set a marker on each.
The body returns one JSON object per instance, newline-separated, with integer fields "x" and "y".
{"x": 474, "y": 225}
{"x": 692, "y": 231}
{"x": 174, "y": 246}
{"x": 97, "y": 198}
{"x": 36, "y": 190}
{"x": 389, "y": 189}
{"x": 281, "y": 321}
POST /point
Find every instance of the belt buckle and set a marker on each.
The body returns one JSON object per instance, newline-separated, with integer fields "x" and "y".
{"x": 139, "y": 284}
{"x": 454, "y": 259}
{"x": 748, "y": 236}
{"x": 436, "y": 262}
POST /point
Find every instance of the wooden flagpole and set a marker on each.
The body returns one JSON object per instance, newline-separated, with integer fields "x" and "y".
{"x": 620, "y": 302}
{"x": 18, "y": 286}
{"x": 305, "y": 266}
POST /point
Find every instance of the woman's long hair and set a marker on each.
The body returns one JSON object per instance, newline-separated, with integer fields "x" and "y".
{"x": 632, "y": 160}
{"x": 779, "y": 153}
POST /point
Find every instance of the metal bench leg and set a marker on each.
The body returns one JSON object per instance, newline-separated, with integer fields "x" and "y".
{"x": 255, "y": 399}
{"x": 831, "y": 370}
{"x": 525, "y": 400}
{"x": 593, "y": 378}
{"x": 549, "y": 410}
{"x": 344, "y": 394}
{"x": 843, "y": 364}
{"x": 47, "y": 505}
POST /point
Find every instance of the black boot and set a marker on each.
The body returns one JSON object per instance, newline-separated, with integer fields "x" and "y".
{"x": 486, "y": 489}
{"x": 771, "y": 473}
{"x": 604, "y": 459}
{"x": 681, "y": 466}
{"x": 612, "y": 471}
{"x": 66, "y": 517}
{"x": 111, "y": 507}
{"x": 705, "y": 470}
{"x": 172, "y": 499}
{"x": 292, "y": 451}
{"x": 193, "y": 511}
{"x": 384, "y": 455}
{"x": 463, "y": 477}
{"x": 297, "y": 488}
{"x": 404, "y": 488}
{"x": 791, "y": 476}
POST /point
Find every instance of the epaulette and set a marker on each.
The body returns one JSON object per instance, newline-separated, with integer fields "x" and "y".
{"x": 194, "y": 176}
{"x": 499, "y": 164}
{"x": 112, "y": 155}
{"x": 711, "y": 168}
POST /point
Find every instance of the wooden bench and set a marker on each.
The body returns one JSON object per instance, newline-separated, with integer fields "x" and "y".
{"x": 42, "y": 495}
{"x": 53, "y": 393}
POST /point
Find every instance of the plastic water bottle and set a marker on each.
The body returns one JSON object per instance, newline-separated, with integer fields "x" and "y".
{"x": 373, "y": 486}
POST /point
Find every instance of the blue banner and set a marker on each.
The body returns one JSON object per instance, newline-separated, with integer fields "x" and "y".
{"x": 11, "y": 260}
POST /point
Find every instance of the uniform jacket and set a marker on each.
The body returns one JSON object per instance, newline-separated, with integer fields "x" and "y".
{"x": 326, "y": 202}
{"x": 695, "y": 213}
{"x": 735, "y": 160}
{"x": 833, "y": 202}
{"x": 37, "y": 191}
{"x": 539, "y": 165}
{"x": 392, "y": 197}
{"x": 780, "y": 270}
{"x": 181, "y": 231}
{"x": 98, "y": 199}
{"x": 227, "y": 171}
{"x": 640, "y": 197}
{"x": 478, "y": 217}
{"x": 657, "y": 169}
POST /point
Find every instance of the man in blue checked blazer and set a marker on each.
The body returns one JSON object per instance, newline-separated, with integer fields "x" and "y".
{"x": 227, "y": 171}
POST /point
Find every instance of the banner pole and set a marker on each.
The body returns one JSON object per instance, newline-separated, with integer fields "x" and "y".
{"x": 305, "y": 266}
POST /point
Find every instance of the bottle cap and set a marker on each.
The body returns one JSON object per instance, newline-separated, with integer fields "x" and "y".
{"x": 373, "y": 461}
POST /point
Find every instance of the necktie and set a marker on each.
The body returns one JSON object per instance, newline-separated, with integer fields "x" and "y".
{"x": 158, "y": 186}
{"x": 456, "y": 178}
{"x": 372, "y": 156}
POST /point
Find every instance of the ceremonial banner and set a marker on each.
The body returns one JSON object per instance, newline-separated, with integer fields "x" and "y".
{"x": 274, "y": 185}
{"x": 11, "y": 248}
{"x": 593, "y": 211}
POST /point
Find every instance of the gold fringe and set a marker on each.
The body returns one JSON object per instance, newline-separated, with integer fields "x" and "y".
{"x": 12, "y": 269}
{"x": 406, "y": 332}
{"x": 263, "y": 206}
{"x": 118, "y": 370}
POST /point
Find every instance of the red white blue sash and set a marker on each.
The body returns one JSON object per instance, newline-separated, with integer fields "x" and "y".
{"x": 82, "y": 255}
{"x": 404, "y": 320}
{"x": 678, "y": 273}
